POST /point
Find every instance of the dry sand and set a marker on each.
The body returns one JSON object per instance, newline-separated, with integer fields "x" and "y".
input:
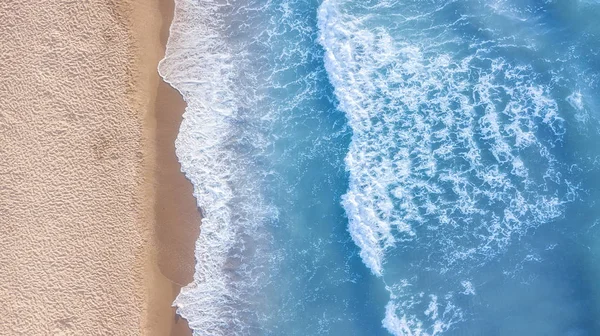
{"x": 97, "y": 225}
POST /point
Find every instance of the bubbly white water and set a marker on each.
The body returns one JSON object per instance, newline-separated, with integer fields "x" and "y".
{"x": 446, "y": 155}
{"x": 201, "y": 65}
{"x": 458, "y": 161}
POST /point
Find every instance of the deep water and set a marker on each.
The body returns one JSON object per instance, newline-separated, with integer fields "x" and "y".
{"x": 391, "y": 167}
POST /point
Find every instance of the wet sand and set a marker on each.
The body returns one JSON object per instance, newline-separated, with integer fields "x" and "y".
{"x": 177, "y": 218}
{"x": 97, "y": 224}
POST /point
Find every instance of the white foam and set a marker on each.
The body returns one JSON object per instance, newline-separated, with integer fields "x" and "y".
{"x": 393, "y": 115}
{"x": 443, "y": 154}
{"x": 402, "y": 316}
{"x": 576, "y": 100}
{"x": 202, "y": 67}
{"x": 468, "y": 287}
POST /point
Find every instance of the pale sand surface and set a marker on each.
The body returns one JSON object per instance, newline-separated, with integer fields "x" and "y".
{"x": 96, "y": 223}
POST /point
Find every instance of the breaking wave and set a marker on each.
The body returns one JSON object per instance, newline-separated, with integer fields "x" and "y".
{"x": 453, "y": 153}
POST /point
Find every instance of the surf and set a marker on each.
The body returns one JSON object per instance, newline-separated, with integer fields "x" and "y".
{"x": 388, "y": 167}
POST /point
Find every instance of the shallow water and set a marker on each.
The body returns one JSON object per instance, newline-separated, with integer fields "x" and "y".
{"x": 403, "y": 167}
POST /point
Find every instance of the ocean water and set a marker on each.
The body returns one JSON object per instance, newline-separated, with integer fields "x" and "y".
{"x": 381, "y": 167}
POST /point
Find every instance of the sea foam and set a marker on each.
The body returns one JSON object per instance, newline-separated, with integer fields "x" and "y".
{"x": 202, "y": 66}
{"x": 451, "y": 154}
{"x": 455, "y": 158}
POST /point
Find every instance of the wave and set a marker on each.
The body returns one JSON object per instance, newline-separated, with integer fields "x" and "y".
{"x": 203, "y": 67}
{"x": 456, "y": 156}
{"x": 453, "y": 153}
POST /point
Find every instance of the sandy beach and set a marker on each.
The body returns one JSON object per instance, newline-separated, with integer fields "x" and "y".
{"x": 97, "y": 223}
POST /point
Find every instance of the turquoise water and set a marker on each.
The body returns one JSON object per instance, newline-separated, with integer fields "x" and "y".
{"x": 391, "y": 167}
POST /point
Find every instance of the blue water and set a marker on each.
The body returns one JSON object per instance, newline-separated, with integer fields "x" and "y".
{"x": 388, "y": 167}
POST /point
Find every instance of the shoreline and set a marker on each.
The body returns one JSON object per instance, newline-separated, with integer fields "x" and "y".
{"x": 176, "y": 216}
{"x": 99, "y": 224}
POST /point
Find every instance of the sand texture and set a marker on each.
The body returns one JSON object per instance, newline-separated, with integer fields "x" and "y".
{"x": 81, "y": 182}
